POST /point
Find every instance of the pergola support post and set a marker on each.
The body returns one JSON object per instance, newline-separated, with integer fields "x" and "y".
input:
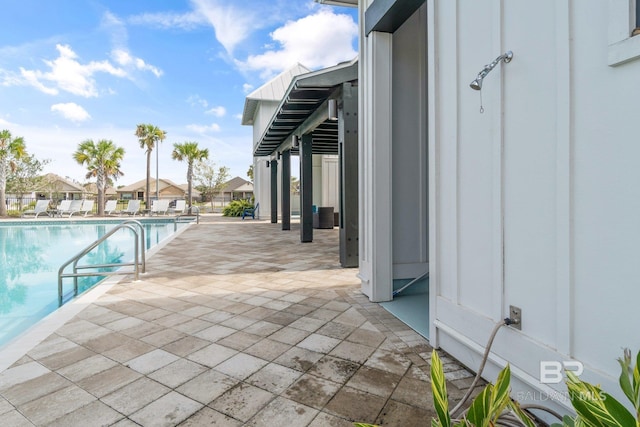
{"x": 306, "y": 186}
{"x": 286, "y": 189}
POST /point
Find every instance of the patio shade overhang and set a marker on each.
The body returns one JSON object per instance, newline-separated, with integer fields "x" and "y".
{"x": 304, "y": 110}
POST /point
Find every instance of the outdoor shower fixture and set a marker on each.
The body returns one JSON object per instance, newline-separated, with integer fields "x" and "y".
{"x": 477, "y": 83}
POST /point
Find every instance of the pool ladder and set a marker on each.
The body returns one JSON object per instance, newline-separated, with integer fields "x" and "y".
{"x": 139, "y": 262}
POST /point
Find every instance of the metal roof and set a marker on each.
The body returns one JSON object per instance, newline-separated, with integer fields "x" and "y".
{"x": 300, "y": 109}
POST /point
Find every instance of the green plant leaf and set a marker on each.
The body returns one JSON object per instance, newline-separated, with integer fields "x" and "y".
{"x": 522, "y": 416}
{"x": 625, "y": 380}
{"x": 500, "y": 393}
{"x": 439, "y": 389}
{"x": 479, "y": 411}
{"x": 596, "y": 407}
{"x": 636, "y": 385}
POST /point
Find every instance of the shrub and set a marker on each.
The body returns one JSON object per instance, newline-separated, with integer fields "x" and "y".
{"x": 236, "y": 207}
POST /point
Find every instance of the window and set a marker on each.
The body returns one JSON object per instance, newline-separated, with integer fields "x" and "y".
{"x": 624, "y": 24}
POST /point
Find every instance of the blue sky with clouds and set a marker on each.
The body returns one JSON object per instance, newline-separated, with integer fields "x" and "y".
{"x": 72, "y": 70}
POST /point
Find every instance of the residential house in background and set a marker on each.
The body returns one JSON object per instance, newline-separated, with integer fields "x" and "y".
{"x": 167, "y": 189}
{"x": 236, "y": 189}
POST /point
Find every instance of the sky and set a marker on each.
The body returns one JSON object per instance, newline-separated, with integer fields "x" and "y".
{"x": 72, "y": 70}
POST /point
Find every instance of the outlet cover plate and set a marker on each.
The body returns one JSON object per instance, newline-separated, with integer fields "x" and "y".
{"x": 515, "y": 313}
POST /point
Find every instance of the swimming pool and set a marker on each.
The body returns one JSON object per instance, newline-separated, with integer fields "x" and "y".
{"x": 32, "y": 252}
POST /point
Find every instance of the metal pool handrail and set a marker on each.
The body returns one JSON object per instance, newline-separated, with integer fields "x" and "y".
{"x": 139, "y": 252}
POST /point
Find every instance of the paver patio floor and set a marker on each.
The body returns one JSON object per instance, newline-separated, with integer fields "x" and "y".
{"x": 235, "y": 323}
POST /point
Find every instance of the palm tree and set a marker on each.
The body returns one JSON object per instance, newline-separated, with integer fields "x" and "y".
{"x": 103, "y": 162}
{"x": 190, "y": 152}
{"x": 149, "y": 135}
{"x": 10, "y": 149}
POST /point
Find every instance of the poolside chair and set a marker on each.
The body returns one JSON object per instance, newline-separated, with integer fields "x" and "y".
{"x": 42, "y": 206}
{"x": 64, "y": 205}
{"x": 75, "y": 206}
{"x": 251, "y": 211}
{"x": 86, "y": 208}
{"x": 159, "y": 207}
{"x": 133, "y": 208}
{"x": 180, "y": 208}
{"x": 111, "y": 207}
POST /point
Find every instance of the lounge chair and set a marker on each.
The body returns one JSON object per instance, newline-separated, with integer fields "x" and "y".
{"x": 74, "y": 207}
{"x": 133, "y": 208}
{"x": 251, "y": 211}
{"x": 111, "y": 207}
{"x": 159, "y": 207}
{"x": 180, "y": 208}
{"x": 64, "y": 205}
{"x": 86, "y": 208}
{"x": 42, "y": 206}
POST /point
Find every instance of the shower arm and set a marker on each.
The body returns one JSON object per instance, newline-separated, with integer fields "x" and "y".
{"x": 506, "y": 57}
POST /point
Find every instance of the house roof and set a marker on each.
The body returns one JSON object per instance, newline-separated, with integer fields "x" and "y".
{"x": 142, "y": 185}
{"x": 306, "y": 95}
{"x": 235, "y": 183}
{"x": 273, "y": 90}
{"x": 64, "y": 184}
{"x": 245, "y": 188}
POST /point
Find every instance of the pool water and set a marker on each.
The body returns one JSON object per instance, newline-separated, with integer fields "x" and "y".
{"x": 31, "y": 254}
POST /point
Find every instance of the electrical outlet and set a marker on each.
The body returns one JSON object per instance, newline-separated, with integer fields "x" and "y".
{"x": 515, "y": 314}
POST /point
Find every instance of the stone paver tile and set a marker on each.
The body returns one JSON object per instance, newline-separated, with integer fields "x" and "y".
{"x": 163, "y": 337}
{"x": 414, "y": 392}
{"x": 282, "y": 318}
{"x": 312, "y": 391}
{"x": 172, "y": 320}
{"x": 238, "y": 308}
{"x": 308, "y": 324}
{"x": 5, "y": 406}
{"x": 50, "y": 346}
{"x": 96, "y": 411}
{"x": 319, "y": 343}
{"x": 374, "y": 381}
{"x": 324, "y": 314}
{"x": 153, "y": 314}
{"x": 125, "y": 423}
{"x": 259, "y": 313}
{"x": 177, "y": 373}
{"x": 242, "y": 402}
{"x": 185, "y": 346}
{"x": 328, "y": 420}
{"x": 389, "y": 361}
{"x": 124, "y": 323}
{"x": 197, "y": 310}
{"x": 267, "y": 349}
{"x": 152, "y": 361}
{"x": 334, "y": 369}
{"x": 212, "y": 355}
{"x": 299, "y": 358}
{"x": 351, "y": 317}
{"x": 291, "y": 336}
{"x": 215, "y": 332}
{"x": 293, "y": 297}
{"x": 86, "y": 367}
{"x": 208, "y": 417}
{"x": 80, "y": 331}
{"x": 107, "y": 342}
{"x": 351, "y": 351}
{"x": 207, "y": 386}
{"x": 314, "y": 302}
{"x": 54, "y": 405}
{"x": 217, "y": 316}
{"x": 275, "y": 378}
{"x": 337, "y": 306}
{"x": 241, "y": 366}
{"x": 131, "y": 350}
{"x": 283, "y": 412}
{"x": 357, "y": 405}
{"x": 35, "y": 388}
{"x": 277, "y": 304}
{"x": 262, "y": 328}
{"x": 336, "y": 330}
{"x": 134, "y": 396}
{"x": 238, "y": 322}
{"x": 397, "y": 413}
{"x": 169, "y": 410}
{"x": 300, "y": 309}
{"x": 193, "y": 326}
{"x": 66, "y": 357}
{"x": 14, "y": 418}
{"x": 142, "y": 330}
{"x": 107, "y": 381}
{"x": 20, "y": 374}
{"x": 240, "y": 340}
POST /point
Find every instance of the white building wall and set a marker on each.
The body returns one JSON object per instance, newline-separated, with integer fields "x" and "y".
{"x": 330, "y": 191}
{"x": 535, "y": 201}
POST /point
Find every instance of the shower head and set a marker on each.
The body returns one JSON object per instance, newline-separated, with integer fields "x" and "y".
{"x": 477, "y": 83}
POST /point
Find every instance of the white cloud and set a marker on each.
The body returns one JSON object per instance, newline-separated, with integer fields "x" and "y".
{"x": 71, "y": 111}
{"x": 195, "y": 100}
{"x": 247, "y": 88}
{"x": 185, "y": 21}
{"x": 316, "y": 41}
{"x": 217, "y": 111}
{"x": 124, "y": 59}
{"x": 68, "y": 74}
{"x": 202, "y": 129}
{"x": 232, "y": 25}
